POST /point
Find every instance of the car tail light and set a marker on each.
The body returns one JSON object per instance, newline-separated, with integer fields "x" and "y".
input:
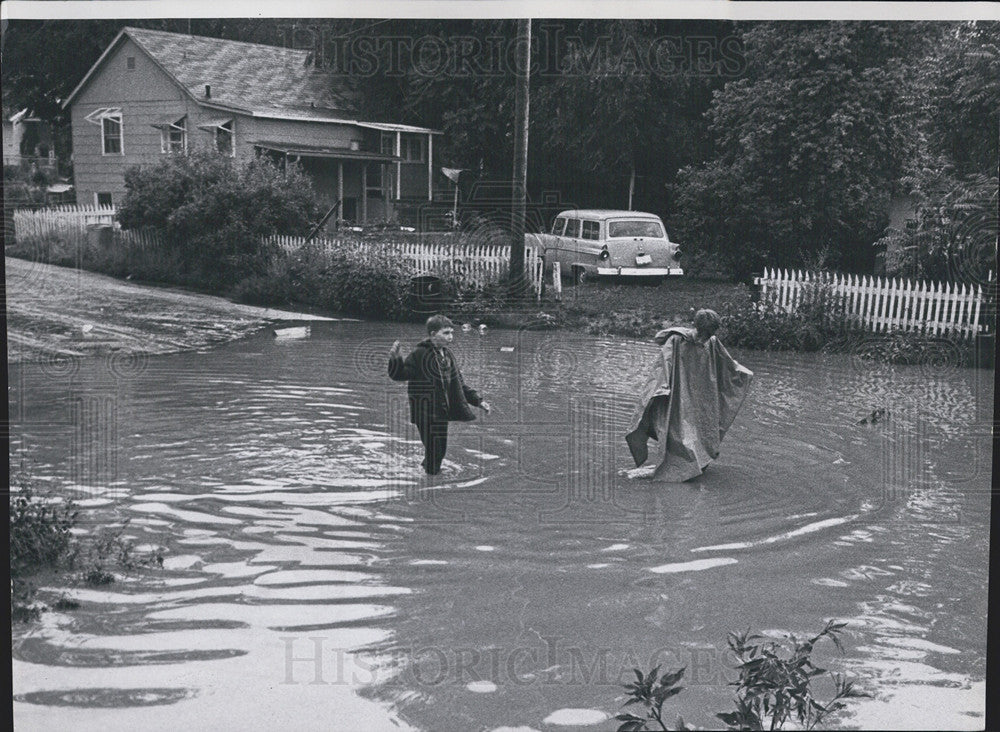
{"x": 677, "y": 254}
{"x": 605, "y": 254}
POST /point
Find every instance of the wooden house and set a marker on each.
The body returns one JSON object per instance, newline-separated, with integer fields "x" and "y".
{"x": 153, "y": 94}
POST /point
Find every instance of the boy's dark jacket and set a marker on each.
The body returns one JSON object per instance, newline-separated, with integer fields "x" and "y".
{"x": 435, "y": 385}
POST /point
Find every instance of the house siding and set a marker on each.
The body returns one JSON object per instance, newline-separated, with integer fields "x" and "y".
{"x": 146, "y": 94}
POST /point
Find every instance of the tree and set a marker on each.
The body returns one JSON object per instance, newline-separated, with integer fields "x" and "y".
{"x": 951, "y": 177}
{"x": 809, "y": 146}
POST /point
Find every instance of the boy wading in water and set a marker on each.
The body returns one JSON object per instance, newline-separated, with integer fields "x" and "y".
{"x": 435, "y": 388}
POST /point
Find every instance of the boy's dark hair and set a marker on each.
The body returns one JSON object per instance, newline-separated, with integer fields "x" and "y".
{"x": 437, "y": 322}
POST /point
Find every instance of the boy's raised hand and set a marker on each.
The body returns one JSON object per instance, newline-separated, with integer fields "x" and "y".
{"x": 394, "y": 351}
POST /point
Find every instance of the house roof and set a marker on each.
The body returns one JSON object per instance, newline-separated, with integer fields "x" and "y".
{"x": 25, "y": 115}
{"x": 251, "y": 78}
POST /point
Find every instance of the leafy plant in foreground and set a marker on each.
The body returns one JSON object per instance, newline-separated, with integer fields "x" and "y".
{"x": 774, "y": 686}
{"x": 651, "y": 692}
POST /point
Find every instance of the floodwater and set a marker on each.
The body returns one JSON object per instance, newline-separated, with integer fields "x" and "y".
{"x": 315, "y": 579}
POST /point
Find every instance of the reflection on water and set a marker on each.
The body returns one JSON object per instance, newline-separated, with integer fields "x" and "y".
{"x": 313, "y": 578}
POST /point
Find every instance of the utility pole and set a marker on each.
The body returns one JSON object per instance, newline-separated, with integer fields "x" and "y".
{"x": 631, "y": 186}
{"x": 522, "y": 67}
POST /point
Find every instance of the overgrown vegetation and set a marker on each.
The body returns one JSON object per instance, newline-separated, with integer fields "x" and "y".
{"x": 820, "y": 323}
{"x": 348, "y": 281}
{"x": 43, "y": 543}
{"x": 214, "y": 212}
{"x": 775, "y": 686}
{"x": 40, "y": 539}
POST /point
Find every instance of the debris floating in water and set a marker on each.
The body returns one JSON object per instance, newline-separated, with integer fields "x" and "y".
{"x": 507, "y": 349}
{"x": 302, "y": 331}
{"x": 876, "y": 416}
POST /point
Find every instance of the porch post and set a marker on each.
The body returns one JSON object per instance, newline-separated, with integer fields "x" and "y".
{"x": 364, "y": 192}
{"x": 340, "y": 191}
{"x": 399, "y": 166}
{"x": 430, "y": 167}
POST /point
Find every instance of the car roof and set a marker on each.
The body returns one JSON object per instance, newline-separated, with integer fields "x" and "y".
{"x": 608, "y": 213}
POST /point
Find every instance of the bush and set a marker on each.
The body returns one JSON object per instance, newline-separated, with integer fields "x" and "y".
{"x": 350, "y": 280}
{"x": 774, "y": 686}
{"x": 357, "y": 284}
{"x": 817, "y": 320}
{"x": 215, "y": 212}
{"x": 40, "y": 538}
{"x": 952, "y": 236}
{"x": 819, "y": 323}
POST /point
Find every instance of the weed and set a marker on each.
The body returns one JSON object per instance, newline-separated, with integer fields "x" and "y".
{"x": 40, "y": 538}
{"x": 774, "y": 686}
{"x": 109, "y": 550}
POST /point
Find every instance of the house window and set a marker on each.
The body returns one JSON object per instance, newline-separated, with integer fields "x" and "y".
{"x": 591, "y": 230}
{"x": 413, "y": 149}
{"x": 111, "y": 134}
{"x": 103, "y": 199}
{"x": 173, "y": 137}
{"x": 373, "y": 181}
{"x": 225, "y": 140}
{"x": 388, "y": 144}
{"x": 573, "y": 228}
{"x": 130, "y": 63}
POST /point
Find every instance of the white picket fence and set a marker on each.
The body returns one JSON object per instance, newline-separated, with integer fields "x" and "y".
{"x": 471, "y": 264}
{"x": 882, "y": 304}
{"x": 67, "y": 222}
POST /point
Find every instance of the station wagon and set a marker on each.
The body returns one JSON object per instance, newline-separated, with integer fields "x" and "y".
{"x": 609, "y": 243}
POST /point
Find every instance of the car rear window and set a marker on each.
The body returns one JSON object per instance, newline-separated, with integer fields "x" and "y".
{"x": 591, "y": 230}
{"x": 618, "y": 229}
{"x": 573, "y": 227}
{"x": 558, "y": 225}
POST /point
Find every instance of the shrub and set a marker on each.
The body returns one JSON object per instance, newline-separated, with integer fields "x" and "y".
{"x": 774, "y": 686}
{"x": 40, "y": 538}
{"x": 215, "y": 211}
{"x": 817, "y": 320}
{"x": 109, "y": 549}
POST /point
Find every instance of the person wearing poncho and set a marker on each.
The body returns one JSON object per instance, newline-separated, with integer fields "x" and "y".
{"x": 689, "y": 400}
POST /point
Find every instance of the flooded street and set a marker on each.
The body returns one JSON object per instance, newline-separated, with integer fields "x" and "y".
{"x": 314, "y": 578}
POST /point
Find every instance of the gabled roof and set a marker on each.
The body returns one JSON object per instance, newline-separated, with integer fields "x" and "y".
{"x": 264, "y": 81}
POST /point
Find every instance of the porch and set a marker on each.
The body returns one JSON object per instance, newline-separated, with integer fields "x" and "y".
{"x": 364, "y": 183}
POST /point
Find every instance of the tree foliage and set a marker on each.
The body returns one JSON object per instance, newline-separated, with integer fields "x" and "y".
{"x": 215, "y": 212}
{"x": 951, "y": 178}
{"x": 808, "y": 146}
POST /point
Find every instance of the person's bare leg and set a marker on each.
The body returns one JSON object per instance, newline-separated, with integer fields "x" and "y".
{"x": 637, "y": 445}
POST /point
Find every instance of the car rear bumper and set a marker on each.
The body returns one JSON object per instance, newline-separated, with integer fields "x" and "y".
{"x": 639, "y": 271}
